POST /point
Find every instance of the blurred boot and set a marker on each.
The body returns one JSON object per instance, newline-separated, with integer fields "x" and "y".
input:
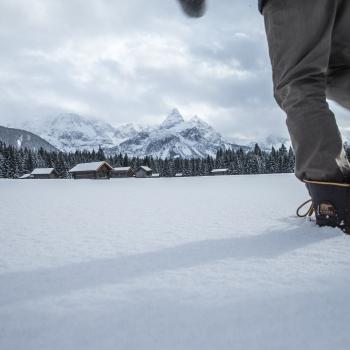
{"x": 193, "y": 8}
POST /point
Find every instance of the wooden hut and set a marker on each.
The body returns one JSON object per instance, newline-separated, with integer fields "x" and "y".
{"x": 219, "y": 172}
{"x": 143, "y": 171}
{"x": 94, "y": 170}
{"x": 44, "y": 173}
{"x": 122, "y": 172}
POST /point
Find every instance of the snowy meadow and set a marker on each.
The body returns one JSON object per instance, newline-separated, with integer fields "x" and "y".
{"x": 169, "y": 263}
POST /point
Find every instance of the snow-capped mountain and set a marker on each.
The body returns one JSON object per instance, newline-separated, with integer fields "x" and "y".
{"x": 69, "y": 132}
{"x": 172, "y": 119}
{"x": 174, "y": 137}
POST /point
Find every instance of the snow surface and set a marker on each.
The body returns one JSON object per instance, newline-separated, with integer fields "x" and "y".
{"x": 214, "y": 171}
{"x": 25, "y": 176}
{"x": 177, "y": 263}
{"x": 145, "y": 168}
{"x": 42, "y": 171}
{"x": 124, "y": 168}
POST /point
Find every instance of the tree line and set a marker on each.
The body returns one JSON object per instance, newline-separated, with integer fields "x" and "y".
{"x": 17, "y": 162}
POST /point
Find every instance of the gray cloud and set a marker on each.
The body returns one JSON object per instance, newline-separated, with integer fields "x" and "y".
{"x": 133, "y": 61}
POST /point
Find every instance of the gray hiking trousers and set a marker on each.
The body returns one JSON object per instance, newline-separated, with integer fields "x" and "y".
{"x": 309, "y": 46}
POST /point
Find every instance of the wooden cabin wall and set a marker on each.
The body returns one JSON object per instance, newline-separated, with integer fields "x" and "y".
{"x": 101, "y": 174}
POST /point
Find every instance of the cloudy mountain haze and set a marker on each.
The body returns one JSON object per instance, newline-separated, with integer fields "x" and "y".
{"x": 132, "y": 61}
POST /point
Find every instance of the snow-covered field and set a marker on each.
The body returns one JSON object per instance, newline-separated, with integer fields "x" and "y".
{"x": 179, "y": 263}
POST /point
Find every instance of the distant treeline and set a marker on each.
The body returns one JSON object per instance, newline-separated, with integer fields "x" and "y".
{"x": 17, "y": 162}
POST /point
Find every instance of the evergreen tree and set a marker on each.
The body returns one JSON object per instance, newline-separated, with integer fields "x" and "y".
{"x": 14, "y": 162}
{"x": 100, "y": 156}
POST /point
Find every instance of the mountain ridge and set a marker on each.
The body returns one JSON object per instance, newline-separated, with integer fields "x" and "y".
{"x": 24, "y": 139}
{"x": 174, "y": 137}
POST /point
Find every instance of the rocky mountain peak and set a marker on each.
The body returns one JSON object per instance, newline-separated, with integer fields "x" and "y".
{"x": 196, "y": 119}
{"x": 172, "y": 119}
{"x": 198, "y": 122}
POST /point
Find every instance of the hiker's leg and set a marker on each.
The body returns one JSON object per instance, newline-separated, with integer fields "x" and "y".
{"x": 338, "y": 75}
{"x": 299, "y": 34}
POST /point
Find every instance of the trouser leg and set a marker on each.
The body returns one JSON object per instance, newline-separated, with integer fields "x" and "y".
{"x": 338, "y": 88}
{"x": 299, "y": 34}
{"x": 338, "y": 75}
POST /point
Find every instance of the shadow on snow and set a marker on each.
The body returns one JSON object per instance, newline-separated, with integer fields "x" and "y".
{"x": 22, "y": 286}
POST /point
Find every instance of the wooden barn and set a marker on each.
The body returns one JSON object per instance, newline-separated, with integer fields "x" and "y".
{"x": 143, "y": 171}
{"x": 94, "y": 170}
{"x": 122, "y": 172}
{"x": 44, "y": 173}
{"x": 219, "y": 172}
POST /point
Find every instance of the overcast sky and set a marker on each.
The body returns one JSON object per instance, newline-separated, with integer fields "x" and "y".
{"x": 133, "y": 61}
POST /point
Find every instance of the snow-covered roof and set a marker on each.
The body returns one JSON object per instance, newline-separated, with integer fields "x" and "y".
{"x": 25, "y": 176}
{"x": 145, "y": 168}
{"x": 93, "y": 166}
{"x": 219, "y": 170}
{"x": 178, "y": 175}
{"x": 155, "y": 175}
{"x": 125, "y": 168}
{"x": 42, "y": 171}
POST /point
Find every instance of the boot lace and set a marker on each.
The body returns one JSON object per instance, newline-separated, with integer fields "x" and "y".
{"x": 309, "y": 212}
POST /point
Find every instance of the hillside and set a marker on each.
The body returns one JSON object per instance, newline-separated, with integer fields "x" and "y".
{"x": 24, "y": 139}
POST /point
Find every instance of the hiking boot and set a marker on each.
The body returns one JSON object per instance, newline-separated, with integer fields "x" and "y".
{"x": 193, "y": 8}
{"x": 330, "y": 203}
